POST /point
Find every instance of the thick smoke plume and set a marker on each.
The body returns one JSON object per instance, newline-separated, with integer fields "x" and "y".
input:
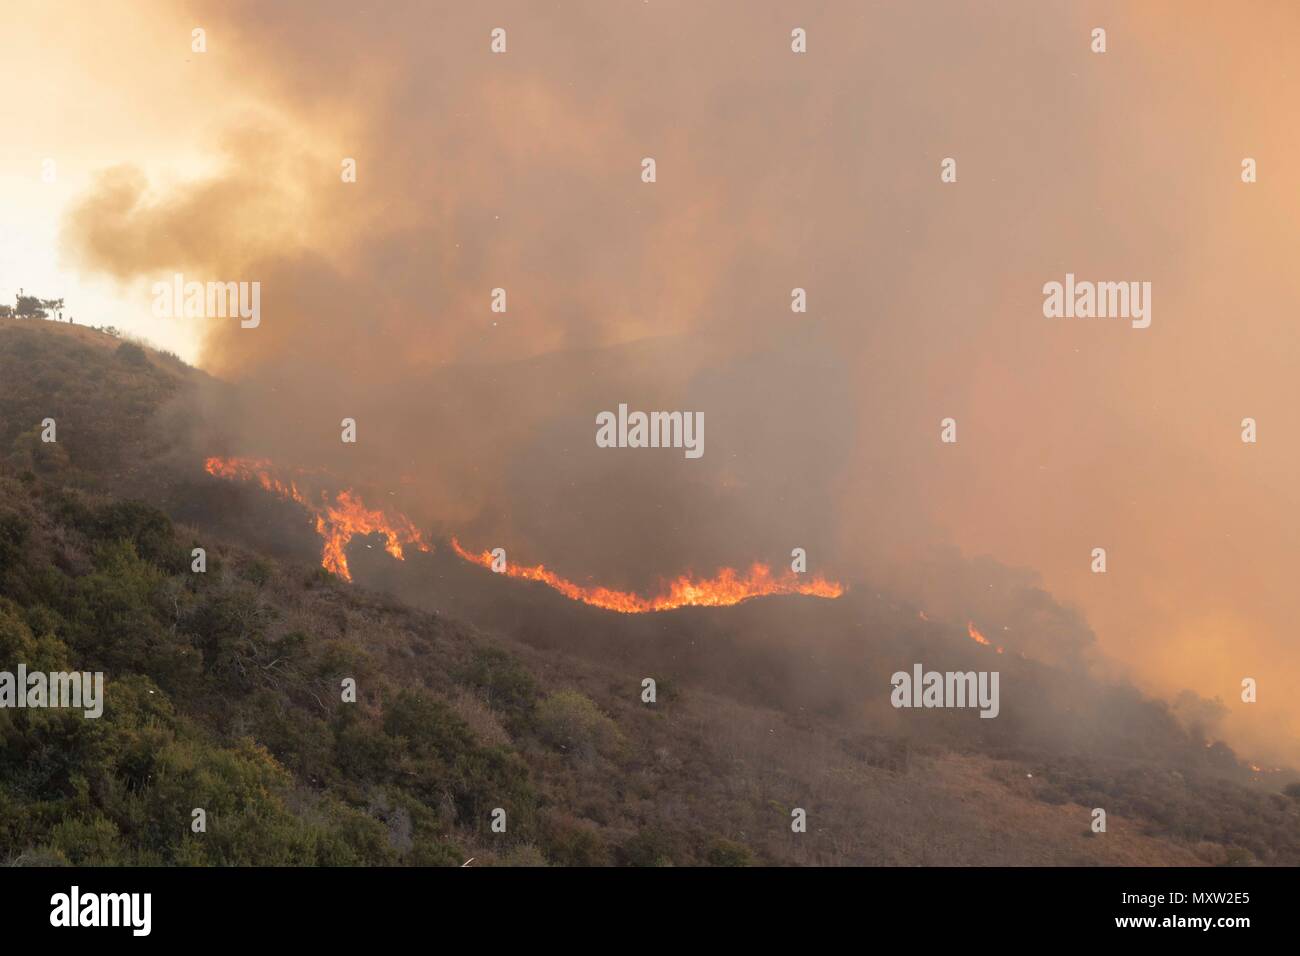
{"x": 774, "y": 171}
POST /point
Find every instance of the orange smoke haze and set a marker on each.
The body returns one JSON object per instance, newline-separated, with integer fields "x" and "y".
{"x": 775, "y": 171}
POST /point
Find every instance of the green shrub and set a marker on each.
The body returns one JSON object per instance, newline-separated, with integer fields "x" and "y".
{"x": 439, "y": 755}
{"x": 503, "y": 681}
{"x": 132, "y": 354}
{"x": 650, "y": 847}
{"x": 723, "y": 852}
{"x": 572, "y": 723}
{"x": 573, "y": 843}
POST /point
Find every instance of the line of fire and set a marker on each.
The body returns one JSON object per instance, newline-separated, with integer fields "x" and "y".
{"x": 341, "y": 516}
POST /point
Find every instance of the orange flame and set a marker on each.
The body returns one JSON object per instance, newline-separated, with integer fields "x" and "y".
{"x": 979, "y": 638}
{"x": 337, "y": 521}
{"x": 725, "y": 588}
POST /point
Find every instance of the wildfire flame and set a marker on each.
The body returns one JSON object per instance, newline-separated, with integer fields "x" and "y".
{"x": 725, "y": 588}
{"x": 340, "y": 519}
{"x": 337, "y": 521}
{"x": 979, "y": 638}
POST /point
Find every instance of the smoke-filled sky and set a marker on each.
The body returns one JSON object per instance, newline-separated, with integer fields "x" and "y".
{"x": 775, "y": 170}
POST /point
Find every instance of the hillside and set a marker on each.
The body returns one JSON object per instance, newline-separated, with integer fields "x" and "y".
{"x": 224, "y": 692}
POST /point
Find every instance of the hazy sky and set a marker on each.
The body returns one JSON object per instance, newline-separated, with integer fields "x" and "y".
{"x": 775, "y": 170}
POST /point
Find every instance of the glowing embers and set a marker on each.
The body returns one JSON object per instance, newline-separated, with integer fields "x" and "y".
{"x": 337, "y": 521}
{"x": 725, "y": 588}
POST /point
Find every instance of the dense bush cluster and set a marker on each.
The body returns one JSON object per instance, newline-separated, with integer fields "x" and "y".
{"x": 223, "y": 692}
{"x": 107, "y": 587}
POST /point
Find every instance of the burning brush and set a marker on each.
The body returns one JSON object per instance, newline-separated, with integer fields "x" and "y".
{"x": 340, "y": 518}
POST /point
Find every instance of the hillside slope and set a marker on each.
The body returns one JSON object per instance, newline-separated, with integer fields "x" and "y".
{"x": 225, "y": 692}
